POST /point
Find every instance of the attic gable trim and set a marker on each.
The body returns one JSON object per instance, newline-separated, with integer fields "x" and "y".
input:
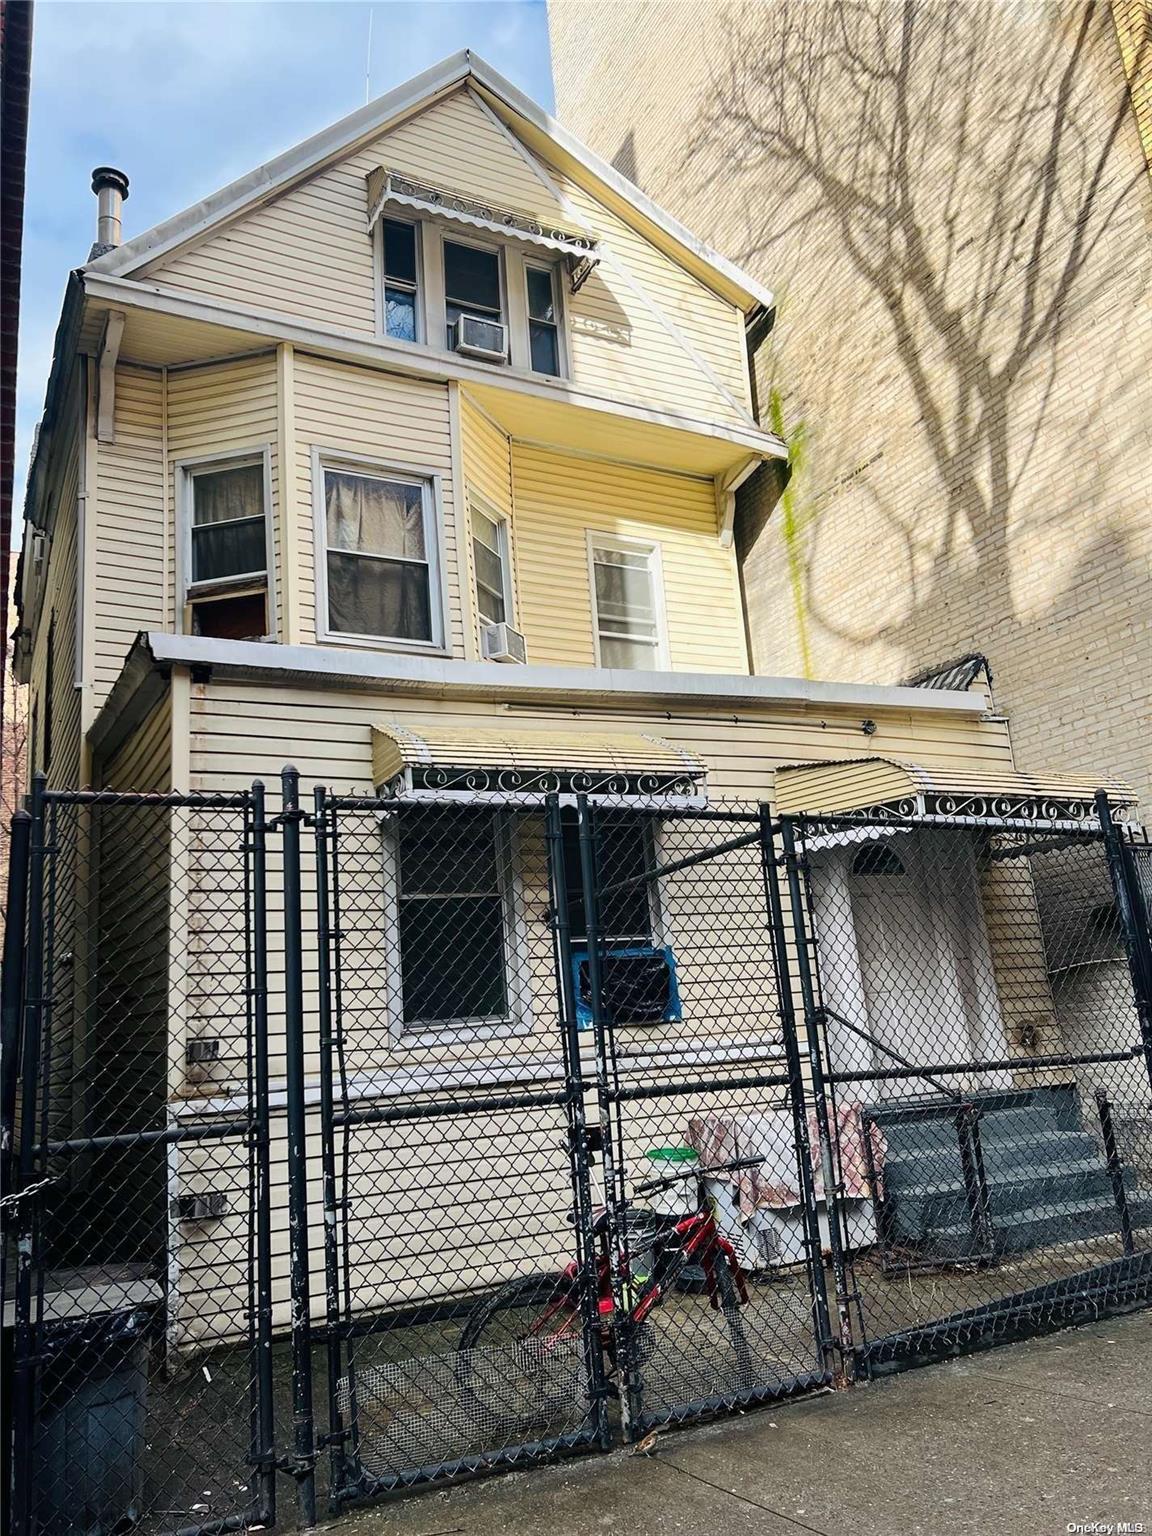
{"x": 276, "y": 175}
{"x": 408, "y": 358}
{"x": 366, "y": 123}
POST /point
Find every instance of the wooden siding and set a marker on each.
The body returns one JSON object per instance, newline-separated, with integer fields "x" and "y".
{"x": 354, "y": 412}
{"x": 560, "y": 499}
{"x": 307, "y": 254}
{"x": 129, "y": 522}
{"x": 228, "y": 408}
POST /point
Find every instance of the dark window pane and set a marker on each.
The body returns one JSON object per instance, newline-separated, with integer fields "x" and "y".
{"x": 448, "y": 850}
{"x": 228, "y": 549}
{"x": 545, "y": 348}
{"x": 452, "y": 958}
{"x": 400, "y": 314}
{"x": 378, "y": 597}
{"x": 472, "y": 276}
{"x": 489, "y": 567}
{"x": 400, "y": 250}
{"x": 541, "y": 305}
{"x": 622, "y": 843}
{"x": 223, "y": 495}
{"x": 233, "y": 618}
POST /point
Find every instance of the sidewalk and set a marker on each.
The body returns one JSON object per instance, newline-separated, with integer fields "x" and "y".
{"x": 1027, "y": 1439}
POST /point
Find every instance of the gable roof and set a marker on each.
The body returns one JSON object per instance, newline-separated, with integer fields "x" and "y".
{"x": 368, "y": 122}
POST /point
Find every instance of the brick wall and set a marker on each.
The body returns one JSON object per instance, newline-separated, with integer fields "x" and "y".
{"x": 953, "y": 206}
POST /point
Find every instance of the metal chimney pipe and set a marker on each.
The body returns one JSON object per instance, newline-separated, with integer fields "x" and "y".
{"x": 111, "y": 188}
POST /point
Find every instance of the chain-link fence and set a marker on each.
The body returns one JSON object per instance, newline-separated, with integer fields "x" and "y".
{"x": 358, "y": 1144}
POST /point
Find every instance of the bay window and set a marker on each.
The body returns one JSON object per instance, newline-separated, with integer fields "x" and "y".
{"x": 224, "y": 508}
{"x": 380, "y": 570}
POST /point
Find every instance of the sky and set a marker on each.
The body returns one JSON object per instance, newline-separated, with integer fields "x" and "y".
{"x": 185, "y": 95}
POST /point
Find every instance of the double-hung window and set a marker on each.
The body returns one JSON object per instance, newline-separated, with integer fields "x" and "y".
{"x": 380, "y": 556}
{"x": 626, "y": 603}
{"x": 226, "y": 548}
{"x": 490, "y": 559}
{"x": 401, "y": 280}
{"x": 626, "y": 856}
{"x": 452, "y": 896}
{"x": 472, "y": 285}
{"x": 543, "y": 319}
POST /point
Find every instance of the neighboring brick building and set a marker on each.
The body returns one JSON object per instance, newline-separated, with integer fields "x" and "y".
{"x": 953, "y": 207}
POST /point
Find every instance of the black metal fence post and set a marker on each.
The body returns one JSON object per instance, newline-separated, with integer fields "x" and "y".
{"x": 1115, "y": 1170}
{"x": 326, "y": 934}
{"x": 577, "y": 1121}
{"x": 796, "y": 1094}
{"x": 264, "y": 1424}
{"x": 24, "y": 1329}
{"x": 828, "y": 1162}
{"x": 1134, "y": 920}
{"x": 303, "y": 1464}
{"x": 631, "y": 1389}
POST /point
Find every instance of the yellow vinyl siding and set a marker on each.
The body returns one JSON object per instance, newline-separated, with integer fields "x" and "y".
{"x": 619, "y": 346}
{"x": 486, "y": 458}
{"x": 129, "y": 525}
{"x": 229, "y": 408}
{"x": 559, "y": 500}
{"x": 401, "y": 422}
{"x": 307, "y": 254}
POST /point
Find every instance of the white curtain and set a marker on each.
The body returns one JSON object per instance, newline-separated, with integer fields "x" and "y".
{"x": 376, "y": 517}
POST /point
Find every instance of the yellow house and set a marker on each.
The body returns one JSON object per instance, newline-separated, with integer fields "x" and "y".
{"x": 410, "y": 459}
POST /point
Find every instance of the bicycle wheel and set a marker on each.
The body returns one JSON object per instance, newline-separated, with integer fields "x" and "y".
{"x": 730, "y": 1304}
{"x": 520, "y": 1359}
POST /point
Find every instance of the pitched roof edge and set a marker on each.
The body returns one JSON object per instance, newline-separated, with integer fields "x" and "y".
{"x": 367, "y": 122}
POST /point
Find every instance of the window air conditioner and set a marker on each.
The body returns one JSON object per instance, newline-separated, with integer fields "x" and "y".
{"x": 481, "y": 338}
{"x": 637, "y": 986}
{"x": 500, "y": 642}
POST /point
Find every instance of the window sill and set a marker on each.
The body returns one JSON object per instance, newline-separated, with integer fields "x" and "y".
{"x": 439, "y": 354}
{"x": 378, "y": 643}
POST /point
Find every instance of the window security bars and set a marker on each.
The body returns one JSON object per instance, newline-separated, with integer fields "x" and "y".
{"x": 353, "y": 1145}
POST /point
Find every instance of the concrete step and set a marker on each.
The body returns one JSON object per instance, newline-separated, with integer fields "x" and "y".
{"x": 941, "y": 1205}
{"x": 1069, "y": 1221}
{"x": 1006, "y": 1158}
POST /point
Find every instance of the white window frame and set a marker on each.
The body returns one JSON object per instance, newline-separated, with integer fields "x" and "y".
{"x": 479, "y": 503}
{"x": 517, "y": 954}
{"x": 631, "y": 545}
{"x": 555, "y": 273}
{"x": 381, "y": 276}
{"x": 429, "y": 480}
{"x": 189, "y": 592}
{"x": 449, "y": 236}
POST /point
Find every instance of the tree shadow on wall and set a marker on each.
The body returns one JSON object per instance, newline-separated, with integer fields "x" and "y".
{"x": 969, "y": 193}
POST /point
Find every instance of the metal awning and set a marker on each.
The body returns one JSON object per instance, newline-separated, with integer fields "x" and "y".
{"x": 462, "y": 761}
{"x": 886, "y": 787}
{"x": 390, "y": 188}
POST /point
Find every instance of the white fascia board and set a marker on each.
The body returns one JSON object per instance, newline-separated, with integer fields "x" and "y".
{"x": 405, "y": 357}
{"x": 438, "y": 677}
{"x": 274, "y": 175}
{"x": 368, "y": 122}
{"x": 515, "y": 99}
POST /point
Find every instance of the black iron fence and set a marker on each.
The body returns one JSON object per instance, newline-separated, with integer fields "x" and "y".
{"x": 353, "y": 1145}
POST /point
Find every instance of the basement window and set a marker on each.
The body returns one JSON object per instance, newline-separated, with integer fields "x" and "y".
{"x": 226, "y": 548}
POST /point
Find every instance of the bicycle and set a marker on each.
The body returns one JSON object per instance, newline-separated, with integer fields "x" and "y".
{"x": 535, "y": 1323}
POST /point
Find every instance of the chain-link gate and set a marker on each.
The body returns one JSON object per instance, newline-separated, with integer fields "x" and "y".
{"x": 976, "y": 991}
{"x": 138, "y": 1313}
{"x": 376, "y": 1142}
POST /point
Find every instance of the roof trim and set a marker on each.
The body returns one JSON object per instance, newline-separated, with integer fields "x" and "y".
{"x": 433, "y": 677}
{"x": 277, "y": 174}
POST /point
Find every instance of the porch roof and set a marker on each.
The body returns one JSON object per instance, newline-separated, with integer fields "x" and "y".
{"x": 457, "y": 758}
{"x": 890, "y": 787}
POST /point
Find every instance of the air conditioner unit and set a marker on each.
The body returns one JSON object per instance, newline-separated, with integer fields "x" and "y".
{"x": 637, "y": 986}
{"x": 480, "y": 338}
{"x": 500, "y": 642}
